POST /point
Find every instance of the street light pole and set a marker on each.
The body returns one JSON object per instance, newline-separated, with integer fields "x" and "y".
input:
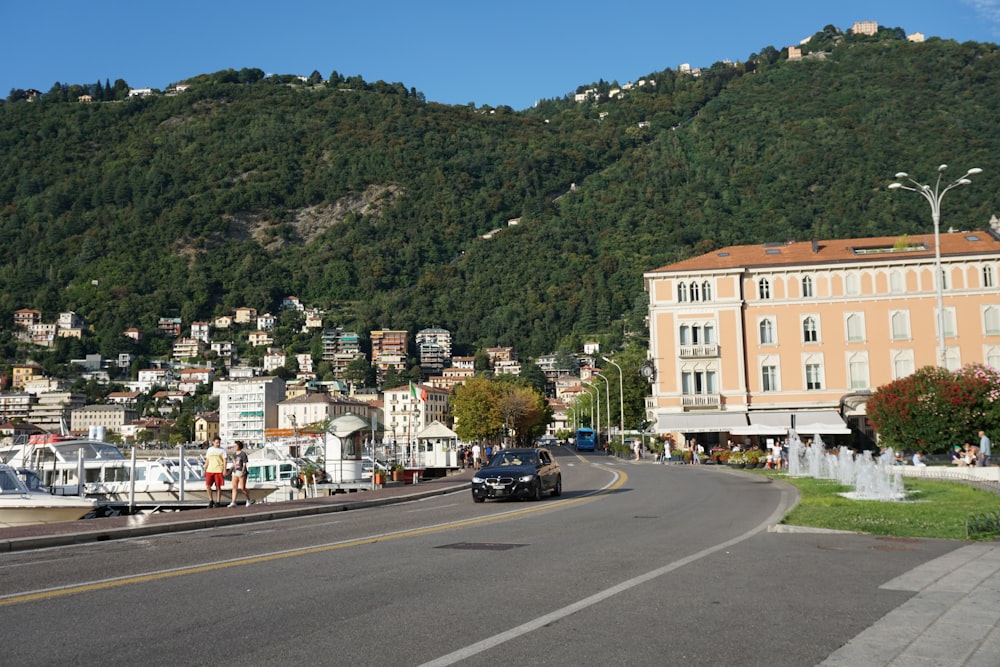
{"x": 934, "y": 196}
{"x": 598, "y": 394}
{"x": 607, "y": 404}
{"x": 621, "y": 396}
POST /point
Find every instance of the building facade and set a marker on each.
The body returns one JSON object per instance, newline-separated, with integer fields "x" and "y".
{"x": 745, "y": 338}
{"x": 248, "y": 406}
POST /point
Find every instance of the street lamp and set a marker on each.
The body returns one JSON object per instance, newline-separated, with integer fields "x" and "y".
{"x": 607, "y": 405}
{"x": 934, "y": 196}
{"x": 598, "y": 393}
{"x": 621, "y": 397}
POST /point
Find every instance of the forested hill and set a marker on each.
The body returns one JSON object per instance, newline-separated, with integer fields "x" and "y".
{"x": 370, "y": 202}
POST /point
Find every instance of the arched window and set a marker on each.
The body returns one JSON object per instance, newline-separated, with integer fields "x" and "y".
{"x": 807, "y": 286}
{"x": 695, "y": 294}
{"x": 766, "y": 332}
{"x": 764, "y": 288}
{"x": 682, "y": 292}
{"x": 900, "y": 325}
{"x": 706, "y": 291}
{"x": 685, "y": 334}
{"x": 810, "y": 333}
{"x": 709, "y": 332}
{"x": 992, "y": 317}
{"x": 852, "y": 284}
{"x": 987, "y": 276}
{"x": 897, "y": 282}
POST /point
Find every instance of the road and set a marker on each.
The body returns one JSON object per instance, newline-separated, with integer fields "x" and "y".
{"x": 635, "y": 564}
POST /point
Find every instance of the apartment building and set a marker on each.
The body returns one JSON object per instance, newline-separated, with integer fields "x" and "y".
{"x": 408, "y": 411}
{"x": 433, "y": 349}
{"x": 248, "y": 406}
{"x": 745, "y": 339}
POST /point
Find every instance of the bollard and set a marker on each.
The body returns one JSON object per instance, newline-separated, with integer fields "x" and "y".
{"x": 416, "y": 476}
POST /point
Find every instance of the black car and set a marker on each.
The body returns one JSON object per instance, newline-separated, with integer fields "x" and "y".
{"x": 518, "y": 473}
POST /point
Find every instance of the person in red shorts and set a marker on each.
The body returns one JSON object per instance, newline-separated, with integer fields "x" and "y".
{"x": 215, "y": 472}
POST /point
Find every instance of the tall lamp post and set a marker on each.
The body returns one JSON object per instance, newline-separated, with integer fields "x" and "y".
{"x": 607, "y": 405}
{"x": 621, "y": 397}
{"x": 934, "y": 196}
{"x": 598, "y": 394}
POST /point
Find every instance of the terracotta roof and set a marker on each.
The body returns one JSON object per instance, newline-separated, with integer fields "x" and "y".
{"x": 873, "y": 249}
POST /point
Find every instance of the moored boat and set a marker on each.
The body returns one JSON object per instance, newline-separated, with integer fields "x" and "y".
{"x": 19, "y": 506}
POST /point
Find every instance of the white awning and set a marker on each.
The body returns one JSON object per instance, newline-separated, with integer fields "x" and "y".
{"x": 778, "y": 422}
{"x": 700, "y": 422}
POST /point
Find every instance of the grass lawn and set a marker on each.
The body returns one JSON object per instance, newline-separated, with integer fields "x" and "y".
{"x": 933, "y": 508}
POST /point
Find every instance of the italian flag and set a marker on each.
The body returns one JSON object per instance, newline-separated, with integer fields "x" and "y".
{"x": 419, "y": 394}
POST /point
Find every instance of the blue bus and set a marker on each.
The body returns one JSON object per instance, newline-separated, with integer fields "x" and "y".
{"x": 585, "y": 440}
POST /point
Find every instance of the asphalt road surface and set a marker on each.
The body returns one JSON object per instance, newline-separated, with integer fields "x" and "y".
{"x": 634, "y": 564}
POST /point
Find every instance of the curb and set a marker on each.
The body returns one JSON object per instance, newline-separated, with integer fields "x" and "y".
{"x": 141, "y": 529}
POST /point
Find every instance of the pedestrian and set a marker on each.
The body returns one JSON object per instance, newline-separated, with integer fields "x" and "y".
{"x": 636, "y": 449}
{"x": 665, "y": 459}
{"x": 695, "y": 450}
{"x": 239, "y": 474}
{"x": 918, "y": 460}
{"x": 215, "y": 472}
{"x": 984, "y": 450}
{"x": 476, "y": 450}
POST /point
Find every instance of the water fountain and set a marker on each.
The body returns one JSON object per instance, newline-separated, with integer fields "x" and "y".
{"x": 872, "y": 479}
{"x": 877, "y": 479}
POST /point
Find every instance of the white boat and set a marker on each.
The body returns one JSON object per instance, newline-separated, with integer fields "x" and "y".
{"x": 20, "y": 506}
{"x": 108, "y": 474}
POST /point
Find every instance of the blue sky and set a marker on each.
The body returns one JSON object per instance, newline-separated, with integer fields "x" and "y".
{"x": 498, "y": 53}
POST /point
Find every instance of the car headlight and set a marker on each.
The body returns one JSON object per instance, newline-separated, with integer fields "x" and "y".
{"x": 477, "y": 480}
{"x": 526, "y": 478}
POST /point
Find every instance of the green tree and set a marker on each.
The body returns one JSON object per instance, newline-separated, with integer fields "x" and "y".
{"x": 475, "y": 405}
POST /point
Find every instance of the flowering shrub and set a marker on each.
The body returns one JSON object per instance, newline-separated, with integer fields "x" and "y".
{"x": 935, "y": 409}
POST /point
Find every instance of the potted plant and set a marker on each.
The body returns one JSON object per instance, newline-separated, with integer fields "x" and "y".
{"x": 307, "y": 472}
{"x": 397, "y": 472}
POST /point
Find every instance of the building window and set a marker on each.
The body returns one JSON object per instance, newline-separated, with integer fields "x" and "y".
{"x": 897, "y": 283}
{"x": 852, "y": 284}
{"x": 698, "y": 382}
{"x": 857, "y": 367}
{"x": 764, "y": 288}
{"x": 708, "y": 334}
{"x": 900, "y": 320}
{"x": 685, "y": 334}
{"x": 807, "y": 286}
{"x": 952, "y": 358}
{"x": 810, "y": 332}
{"x": 855, "y": 328}
{"x": 766, "y": 332}
{"x": 814, "y": 378}
{"x": 944, "y": 279}
{"x": 769, "y": 378}
{"x": 992, "y": 356}
{"x": 695, "y": 294}
{"x": 706, "y": 291}
{"x": 949, "y": 322}
{"x": 682, "y": 292}
{"x": 987, "y": 276}
{"x": 902, "y": 364}
{"x": 991, "y": 317}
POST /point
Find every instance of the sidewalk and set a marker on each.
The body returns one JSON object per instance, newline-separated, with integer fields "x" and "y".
{"x": 954, "y": 618}
{"x": 113, "y": 528}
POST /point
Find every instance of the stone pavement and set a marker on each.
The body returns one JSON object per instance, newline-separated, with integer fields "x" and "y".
{"x": 953, "y": 618}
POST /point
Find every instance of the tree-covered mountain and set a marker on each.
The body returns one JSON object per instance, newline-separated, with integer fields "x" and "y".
{"x": 368, "y": 201}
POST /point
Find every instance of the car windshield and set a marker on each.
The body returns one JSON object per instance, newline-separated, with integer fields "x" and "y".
{"x": 514, "y": 459}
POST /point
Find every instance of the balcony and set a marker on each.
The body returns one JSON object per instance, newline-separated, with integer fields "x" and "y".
{"x": 699, "y": 351}
{"x": 701, "y": 401}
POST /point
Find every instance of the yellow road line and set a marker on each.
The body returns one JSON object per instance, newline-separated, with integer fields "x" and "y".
{"x": 49, "y": 594}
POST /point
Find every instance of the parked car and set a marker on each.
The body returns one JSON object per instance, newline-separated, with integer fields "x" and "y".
{"x": 518, "y": 473}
